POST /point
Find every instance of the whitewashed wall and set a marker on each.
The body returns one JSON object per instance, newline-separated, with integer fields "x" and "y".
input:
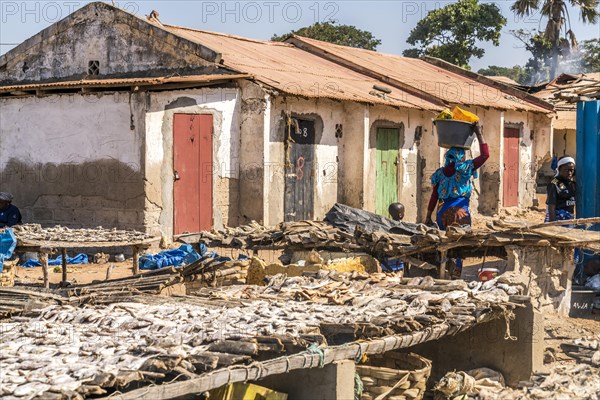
{"x": 411, "y": 152}
{"x": 223, "y": 105}
{"x": 326, "y": 154}
{"x": 74, "y": 159}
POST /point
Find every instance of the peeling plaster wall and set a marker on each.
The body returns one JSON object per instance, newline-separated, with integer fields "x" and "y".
{"x": 535, "y": 145}
{"x": 565, "y": 142}
{"x": 74, "y": 160}
{"x": 326, "y": 153}
{"x": 410, "y": 169}
{"x": 487, "y": 193}
{"x": 224, "y": 105}
{"x": 351, "y": 153}
{"x": 346, "y": 167}
{"x": 254, "y": 120}
{"x": 123, "y": 45}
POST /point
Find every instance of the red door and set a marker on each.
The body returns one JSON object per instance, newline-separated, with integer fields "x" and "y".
{"x": 193, "y": 183}
{"x": 511, "y": 167}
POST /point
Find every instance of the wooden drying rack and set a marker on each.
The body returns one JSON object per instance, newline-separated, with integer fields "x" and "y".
{"x": 45, "y": 247}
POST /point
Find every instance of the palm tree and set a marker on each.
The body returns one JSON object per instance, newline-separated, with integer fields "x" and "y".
{"x": 557, "y": 13}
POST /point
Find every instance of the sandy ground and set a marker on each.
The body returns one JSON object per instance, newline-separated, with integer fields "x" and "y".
{"x": 559, "y": 330}
{"x": 87, "y": 273}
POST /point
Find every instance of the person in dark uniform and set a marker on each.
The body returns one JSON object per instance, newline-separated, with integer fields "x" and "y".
{"x": 9, "y": 214}
{"x": 561, "y": 192}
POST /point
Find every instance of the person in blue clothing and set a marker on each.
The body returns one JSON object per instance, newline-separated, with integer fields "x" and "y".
{"x": 452, "y": 189}
{"x": 9, "y": 214}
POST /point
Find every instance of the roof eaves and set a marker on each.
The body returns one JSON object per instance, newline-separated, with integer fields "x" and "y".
{"x": 490, "y": 82}
{"x": 124, "y": 82}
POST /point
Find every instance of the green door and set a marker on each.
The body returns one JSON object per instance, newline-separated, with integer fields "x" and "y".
{"x": 387, "y": 169}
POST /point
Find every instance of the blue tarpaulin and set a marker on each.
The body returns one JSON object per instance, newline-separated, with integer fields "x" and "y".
{"x": 78, "y": 259}
{"x": 8, "y": 242}
{"x": 184, "y": 255}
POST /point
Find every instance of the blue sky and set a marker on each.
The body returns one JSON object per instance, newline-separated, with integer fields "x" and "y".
{"x": 390, "y": 21}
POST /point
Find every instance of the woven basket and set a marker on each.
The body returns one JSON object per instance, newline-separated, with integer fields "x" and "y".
{"x": 394, "y": 376}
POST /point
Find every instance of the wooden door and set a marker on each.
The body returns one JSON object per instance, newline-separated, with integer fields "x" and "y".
{"x": 193, "y": 173}
{"x": 299, "y": 173}
{"x": 511, "y": 167}
{"x": 388, "y": 154}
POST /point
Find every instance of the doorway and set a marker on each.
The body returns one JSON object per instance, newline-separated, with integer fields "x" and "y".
{"x": 193, "y": 173}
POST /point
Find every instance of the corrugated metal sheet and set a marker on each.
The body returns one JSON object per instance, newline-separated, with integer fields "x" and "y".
{"x": 292, "y": 70}
{"x": 424, "y": 76}
{"x": 588, "y": 159}
{"x": 124, "y": 82}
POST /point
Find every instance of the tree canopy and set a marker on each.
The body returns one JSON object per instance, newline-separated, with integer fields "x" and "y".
{"x": 516, "y": 73}
{"x": 453, "y": 32}
{"x": 582, "y": 59}
{"x": 559, "y": 22}
{"x": 590, "y": 55}
{"x": 345, "y": 35}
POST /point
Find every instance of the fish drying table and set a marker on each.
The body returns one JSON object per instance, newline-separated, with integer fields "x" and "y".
{"x": 45, "y": 247}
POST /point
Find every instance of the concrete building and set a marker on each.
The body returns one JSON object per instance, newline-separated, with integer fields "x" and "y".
{"x": 108, "y": 119}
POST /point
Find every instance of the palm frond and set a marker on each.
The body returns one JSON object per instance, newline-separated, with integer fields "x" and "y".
{"x": 588, "y": 9}
{"x": 525, "y": 7}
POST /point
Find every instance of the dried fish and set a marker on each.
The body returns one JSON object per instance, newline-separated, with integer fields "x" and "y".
{"x": 35, "y": 232}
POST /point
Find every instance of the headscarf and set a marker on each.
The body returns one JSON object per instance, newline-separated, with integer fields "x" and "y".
{"x": 6, "y": 196}
{"x": 563, "y": 161}
{"x": 459, "y": 184}
{"x": 455, "y": 154}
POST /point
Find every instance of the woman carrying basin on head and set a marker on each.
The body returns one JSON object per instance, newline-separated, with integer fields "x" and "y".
{"x": 452, "y": 185}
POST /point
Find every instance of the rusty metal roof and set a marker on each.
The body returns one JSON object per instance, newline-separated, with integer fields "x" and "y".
{"x": 292, "y": 70}
{"x": 98, "y": 83}
{"x": 451, "y": 86}
{"x": 565, "y": 91}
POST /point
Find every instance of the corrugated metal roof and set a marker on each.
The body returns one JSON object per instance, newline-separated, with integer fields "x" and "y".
{"x": 421, "y": 75}
{"x": 125, "y": 82}
{"x": 294, "y": 71}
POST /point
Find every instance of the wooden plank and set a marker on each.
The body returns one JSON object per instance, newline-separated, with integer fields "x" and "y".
{"x": 50, "y": 244}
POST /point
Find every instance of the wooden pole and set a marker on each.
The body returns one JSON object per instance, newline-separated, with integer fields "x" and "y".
{"x": 136, "y": 259}
{"x": 444, "y": 259}
{"x": 43, "y": 257}
{"x": 580, "y": 221}
{"x": 64, "y": 264}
